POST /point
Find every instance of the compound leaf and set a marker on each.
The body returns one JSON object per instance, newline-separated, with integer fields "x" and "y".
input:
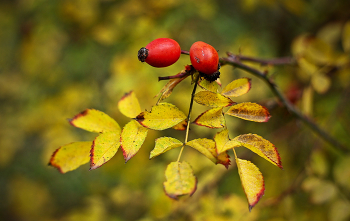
{"x": 164, "y": 144}
{"x": 161, "y": 117}
{"x": 252, "y": 181}
{"x": 212, "y": 99}
{"x": 260, "y": 146}
{"x": 249, "y": 111}
{"x": 237, "y": 87}
{"x": 212, "y": 118}
{"x": 104, "y": 147}
{"x": 132, "y": 137}
{"x": 94, "y": 121}
{"x": 129, "y": 105}
{"x": 179, "y": 180}
{"x": 70, "y": 156}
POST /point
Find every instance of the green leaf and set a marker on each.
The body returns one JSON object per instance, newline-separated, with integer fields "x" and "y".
{"x": 161, "y": 117}
{"x": 164, "y": 144}
{"x": 70, "y": 156}
{"x": 95, "y": 121}
{"x": 252, "y": 181}
{"x": 212, "y": 99}
{"x": 129, "y": 105}
{"x": 249, "y": 111}
{"x": 179, "y": 180}
{"x": 104, "y": 147}
{"x": 212, "y": 118}
{"x": 237, "y": 87}
{"x": 132, "y": 137}
{"x": 260, "y": 146}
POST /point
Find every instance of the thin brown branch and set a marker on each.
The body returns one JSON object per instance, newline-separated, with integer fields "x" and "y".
{"x": 263, "y": 62}
{"x": 309, "y": 122}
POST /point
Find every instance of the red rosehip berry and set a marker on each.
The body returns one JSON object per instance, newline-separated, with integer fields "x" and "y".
{"x": 161, "y": 52}
{"x": 205, "y": 60}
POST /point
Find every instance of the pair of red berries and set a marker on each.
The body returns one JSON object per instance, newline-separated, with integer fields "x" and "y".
{"x": 163, "y": 52}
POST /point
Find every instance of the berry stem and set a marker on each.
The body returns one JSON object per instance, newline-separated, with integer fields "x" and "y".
{"x": 189, "y": 116}
{"x": 185, "y": 52}
{"x": 179, "y": 75}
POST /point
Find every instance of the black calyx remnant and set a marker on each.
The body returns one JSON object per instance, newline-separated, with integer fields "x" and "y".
{"x": 142, "y": 54}
{"x": 213, "y": 76}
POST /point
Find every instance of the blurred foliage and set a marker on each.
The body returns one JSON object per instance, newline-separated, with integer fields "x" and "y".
{"x": 58, "y": 58}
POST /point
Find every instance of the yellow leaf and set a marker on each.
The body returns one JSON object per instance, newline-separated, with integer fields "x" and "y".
{"x": 132, "y": 137}
{"x": 181, "y": 126}
{"x": 346, "y": 37}
{"x": 169, "y": 87}
{"x": 339, "y": 210}
{"x": 330, "y": 33}
{"x": 129, "y": 105}
{"x": 104, "y": 147}
{"x": 179, "y": 180}
{"x": 212, "y": 99}
{"x": 208, "y": 148}
{"x": 321, "y": 83}
{"x": 212, "y": 118}
{"x": 341, "y": 172}
{"x": 300, "y": 44}
{"x": 95, "y": 121}
{"x": 250, "y": 111}
{"x": 163, "y": 144}
{"x": 209, "y": 86}
{"x": 260, "y": 146}
{"x": 161, "y": 117}
{"x": 69, "y": 157}
{"x": 252, "y": 181}
{"x": 321, "y": 191}
{"x": 237, "y": 87}
{"x": 229, "y": 145}
{"x": 204, "y": 146}
{"x": 223, "y": 159}
{"x": 307, "y": 67}
{"x": 307, "y": 101}
{"x": 319, "y": 51}
{"x": 221, "y": 138}
{"x": 319, "y": 163}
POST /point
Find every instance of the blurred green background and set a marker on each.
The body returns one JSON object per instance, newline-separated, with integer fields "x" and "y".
{"x": 58, "y": 58}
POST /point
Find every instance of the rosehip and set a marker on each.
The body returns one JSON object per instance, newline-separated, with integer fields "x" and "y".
{"x": 205, "y": 60}
{"x": 161, "y": 52}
